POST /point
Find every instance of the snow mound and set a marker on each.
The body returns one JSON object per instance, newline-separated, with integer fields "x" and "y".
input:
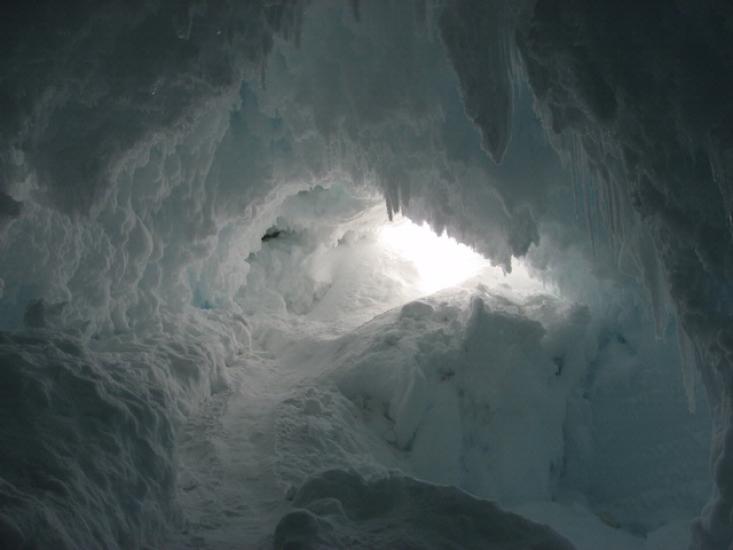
{"x": 465, "y": 388}
{"x": 513, "y": 397}
{"x": 88, "y": 432}
{"x": 88, "y": 441}
{"x": 471, "y": 389}
{"x": 340, "y": 509}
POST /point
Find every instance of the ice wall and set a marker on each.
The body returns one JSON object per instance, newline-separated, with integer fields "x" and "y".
{"x": 114, "y": 117}
{"x": 636, "y": 94}
{"x": 145, "y": 141}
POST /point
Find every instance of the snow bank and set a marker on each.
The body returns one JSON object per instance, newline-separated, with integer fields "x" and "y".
{"x": 520, "y": 398}
{"x": 475, "y": 395}
{"x": 88, "y": 441}
{"x": 341, "y": 509}
{"x": 88, "y": 430}
{"x": 460, "y": 390}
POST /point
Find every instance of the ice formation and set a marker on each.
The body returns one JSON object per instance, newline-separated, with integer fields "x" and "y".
{"x": 212, "y": 336}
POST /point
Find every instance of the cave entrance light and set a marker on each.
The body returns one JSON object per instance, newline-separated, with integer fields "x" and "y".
{"x": 439, "y": 260}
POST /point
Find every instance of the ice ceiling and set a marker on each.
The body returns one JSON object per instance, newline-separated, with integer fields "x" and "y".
{"x": 213, "y": 336}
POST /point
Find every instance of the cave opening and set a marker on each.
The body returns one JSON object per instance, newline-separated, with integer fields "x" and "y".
{"x": 380, "y": 346}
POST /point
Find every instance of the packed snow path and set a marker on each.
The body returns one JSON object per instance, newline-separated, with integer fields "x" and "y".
{"x": 228, "y": 488}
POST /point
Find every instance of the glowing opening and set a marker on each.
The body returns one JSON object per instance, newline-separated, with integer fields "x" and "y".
{"x": 439, "y": 260}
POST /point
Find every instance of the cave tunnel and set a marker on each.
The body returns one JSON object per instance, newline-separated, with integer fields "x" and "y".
{"x": 378, "y": 274}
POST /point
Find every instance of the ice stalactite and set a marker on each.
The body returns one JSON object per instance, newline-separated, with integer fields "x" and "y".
{"x": 721, "y": 163}
{"x": 689, "y": 361}
{"x": 626, "y": 114}
{"x": 477, "y": 37}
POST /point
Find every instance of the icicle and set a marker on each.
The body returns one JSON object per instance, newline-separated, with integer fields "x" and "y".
{"x": 487, "y": 84}
{"x": 653, "y": 280}
{"x": 263, "y": 73}
{"x": 587, "y": 189}
{"x": 394, "y": 194}
{"x": 721, "y": 166}
{"x": 613, "y": 219}
{"x": 405, "y": 189}
{"x": 356, "y": 10}
{"x": 421, "y": 12}
{"x": 430, "y": 24}
{"x": 298, "y": 24}
{"x": 574, "y": 184}
{"x": 391, "y": 200}
{"x": 689, "y": 365}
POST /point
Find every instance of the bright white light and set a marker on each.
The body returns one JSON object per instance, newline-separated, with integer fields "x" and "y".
{"x": 440, "y": 261}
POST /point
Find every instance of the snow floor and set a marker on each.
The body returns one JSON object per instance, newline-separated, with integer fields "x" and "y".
{"x": 468, "y": 388}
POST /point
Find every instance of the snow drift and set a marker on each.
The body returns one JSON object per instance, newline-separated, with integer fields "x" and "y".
{"x": 400, "y": 512}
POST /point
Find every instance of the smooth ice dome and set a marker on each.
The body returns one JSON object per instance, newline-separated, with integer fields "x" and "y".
{"x": 369, "y": 274}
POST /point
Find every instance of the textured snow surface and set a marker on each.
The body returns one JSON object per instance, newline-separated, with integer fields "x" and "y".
{"x": 641, "y": 106}
{"x": 508, "y": 395}
{"x": 166, "y": 370}
{"x": 88, "y": 430}
{"x": 508, "y": 398}
{"x": 133, "y": 182}
{"x": 95, "y": 442}
{"x": 339, "y": 509}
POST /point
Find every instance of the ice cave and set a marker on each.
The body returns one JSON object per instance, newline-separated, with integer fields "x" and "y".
{"x": 377, "y": 274}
